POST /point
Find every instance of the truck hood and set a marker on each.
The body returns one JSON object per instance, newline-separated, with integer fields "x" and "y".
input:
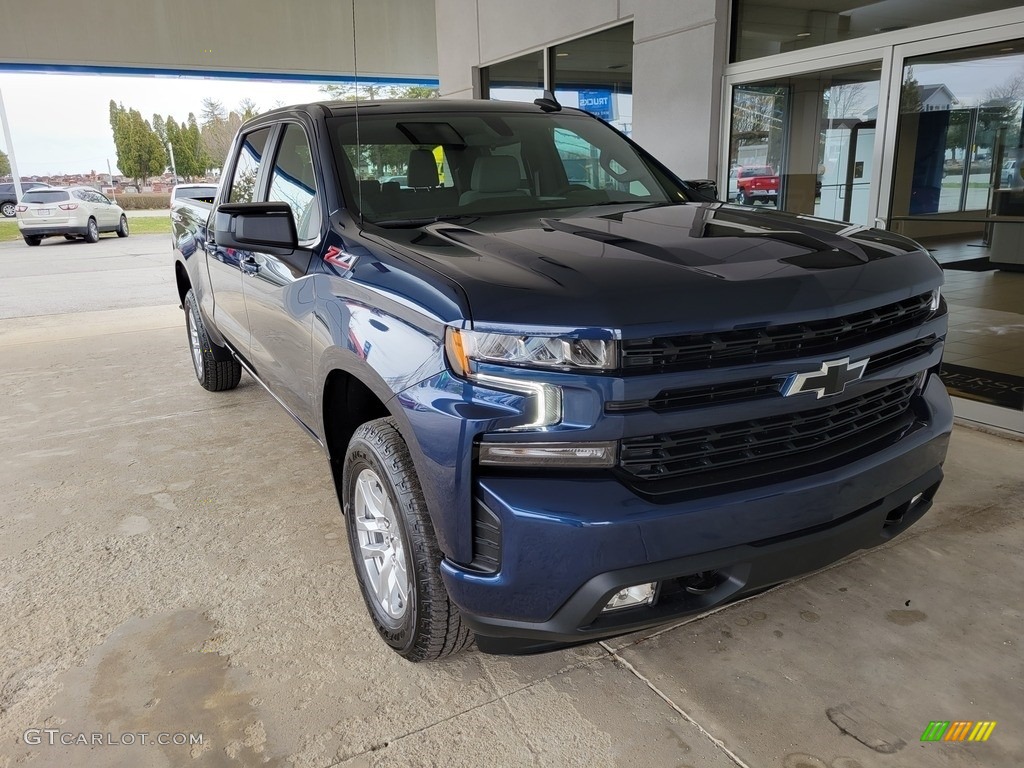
{"x": 696, "y": 266}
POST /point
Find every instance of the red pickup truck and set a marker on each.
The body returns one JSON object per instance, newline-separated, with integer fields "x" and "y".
{"x": 753, "y": 183}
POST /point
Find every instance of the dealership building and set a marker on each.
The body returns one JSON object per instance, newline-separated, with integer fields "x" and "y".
{"x": 900, "y": 114}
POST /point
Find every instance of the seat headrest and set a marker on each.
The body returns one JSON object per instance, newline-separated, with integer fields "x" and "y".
{"x": 422, "y": 169}
{"x": 497, "y": 173}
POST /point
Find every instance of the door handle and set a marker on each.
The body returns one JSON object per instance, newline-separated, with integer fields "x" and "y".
{"x": 249, "y": 265}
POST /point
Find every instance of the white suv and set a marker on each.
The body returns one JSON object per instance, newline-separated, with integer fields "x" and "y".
{"x": 75, "y": 212}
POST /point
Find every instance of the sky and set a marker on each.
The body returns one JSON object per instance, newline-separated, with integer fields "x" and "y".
{"x": 60, "y": 122}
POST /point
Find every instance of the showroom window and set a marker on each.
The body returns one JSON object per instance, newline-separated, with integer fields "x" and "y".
{"x": 519, "y": 79}
{"x": 594, "y": 73}
{"x": 768, "y": 27}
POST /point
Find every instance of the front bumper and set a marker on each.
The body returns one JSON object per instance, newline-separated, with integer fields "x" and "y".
{"x": 569, "y": 544}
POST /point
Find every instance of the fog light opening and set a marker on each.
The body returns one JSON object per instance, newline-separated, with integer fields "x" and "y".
{"x": 702, "y": 582}
{"x": 631, "y": 597}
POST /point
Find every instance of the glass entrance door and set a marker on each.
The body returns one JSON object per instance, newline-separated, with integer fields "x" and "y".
{"x": 805, "y": 143}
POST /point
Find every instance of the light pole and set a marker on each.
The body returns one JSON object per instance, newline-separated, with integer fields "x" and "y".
{"x": 15, "y": 176}
{"x": 174, "y": 170}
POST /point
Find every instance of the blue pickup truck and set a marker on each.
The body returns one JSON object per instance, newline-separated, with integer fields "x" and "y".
{"x": 563, "y": 394}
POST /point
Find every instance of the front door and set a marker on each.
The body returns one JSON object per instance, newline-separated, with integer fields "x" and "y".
{"x": 225, "y": 264}
{"x": 278, "y": 295}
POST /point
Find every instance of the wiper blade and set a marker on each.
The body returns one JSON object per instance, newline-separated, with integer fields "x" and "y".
{"x": 419, "y": 222}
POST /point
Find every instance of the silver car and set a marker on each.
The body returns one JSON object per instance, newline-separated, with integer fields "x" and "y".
{"x": 75, "y": 212}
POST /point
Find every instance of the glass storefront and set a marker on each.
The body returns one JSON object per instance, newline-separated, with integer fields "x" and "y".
{"x": 805, "y": 143}
{"x": 594, "y": 73}
{"x": 957, "y": 188}
{"x": 919, "y": 134}
{"x": 519, "y": 79}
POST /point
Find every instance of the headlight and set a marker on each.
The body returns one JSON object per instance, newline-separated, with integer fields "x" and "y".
{"x": 550, "y": 352}
{"x": 465, "y": 349}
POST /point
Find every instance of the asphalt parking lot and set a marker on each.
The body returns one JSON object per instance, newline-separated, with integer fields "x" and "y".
{"x": 172, "y": 562}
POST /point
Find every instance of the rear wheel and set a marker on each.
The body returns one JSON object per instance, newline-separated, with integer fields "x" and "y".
{"x": 122, "y": 227}
{"x": 215, "y": 375}
{"x": 33, "y": 239}
{"x": 743, "y": 199}
{"x": 394, "y": 550}
{"x": 92, "y": 232}
{"x": 8, "y": 210}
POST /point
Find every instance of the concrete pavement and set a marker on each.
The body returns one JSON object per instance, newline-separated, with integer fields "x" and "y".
{"x": 172, "y": 561}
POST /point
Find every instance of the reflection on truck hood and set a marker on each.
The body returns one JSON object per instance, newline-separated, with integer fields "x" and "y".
{"x": 700, "y": 266}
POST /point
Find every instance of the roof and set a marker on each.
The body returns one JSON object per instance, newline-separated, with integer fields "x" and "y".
{"x": 400, "y": 106}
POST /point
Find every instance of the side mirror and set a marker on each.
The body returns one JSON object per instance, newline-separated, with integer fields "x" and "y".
{"x": 267, "y": 227}
{"x": 706, "y": 189}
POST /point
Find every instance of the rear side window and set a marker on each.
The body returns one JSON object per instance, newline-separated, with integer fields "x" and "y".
{"x": 45, "y": 196}
{"x": 294, "y": 181}
{"x": 205, "y": 194}
{"x": 243, "y": 181}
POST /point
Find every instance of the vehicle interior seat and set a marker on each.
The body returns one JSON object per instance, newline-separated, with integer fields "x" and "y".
{"x": 493, "y": 176}
{"x": 421, "y": 171}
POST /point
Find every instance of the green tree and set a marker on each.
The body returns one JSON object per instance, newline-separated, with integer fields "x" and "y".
{"x": 5, "y": 164}
{"x": 374, "y": 91}
{"x": 910, "y": 98}
{"x": 159, "y": 127}
{"x": 140, "y": 153}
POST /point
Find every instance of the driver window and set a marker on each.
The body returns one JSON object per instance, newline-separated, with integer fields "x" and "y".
{"x": 294, "y": 181}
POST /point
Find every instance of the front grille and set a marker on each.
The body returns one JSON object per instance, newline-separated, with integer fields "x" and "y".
{"x": 787, "y": 443}
{"x": 758, "y": 389}
{"x": 757, "y": 345}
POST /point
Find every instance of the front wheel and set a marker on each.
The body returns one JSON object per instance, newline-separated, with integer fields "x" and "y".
{"x": 122, "y": 227}
{"x": 8, "y": 210}
{"x": 215, "y": 375}
{"x": 394, "y": 550}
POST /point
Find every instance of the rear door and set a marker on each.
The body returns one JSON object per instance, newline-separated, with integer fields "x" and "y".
{"x": 225, "y": 264}
{"x": 278, "y": 294}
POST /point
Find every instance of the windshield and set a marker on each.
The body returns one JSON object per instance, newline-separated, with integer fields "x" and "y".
{"x": 411, "y": 167}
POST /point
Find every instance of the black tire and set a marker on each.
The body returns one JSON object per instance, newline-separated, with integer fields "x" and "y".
{"x": 69, "y": 237}
{"x": 431, "y": 626}
{"x": 122, "y": 226}
{"x": 92, "y": 232}
{"x": 215, "y": 375}
{"x": 33, "y": 239}
{"x": 8, "y": 210}
{"x": 743, "y": 199}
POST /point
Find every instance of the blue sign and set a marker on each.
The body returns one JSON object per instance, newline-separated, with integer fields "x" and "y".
{"x": 597, "y": 103}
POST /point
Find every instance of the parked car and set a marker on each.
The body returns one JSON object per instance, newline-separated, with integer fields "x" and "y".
{"x": 203, "y": 192}
{"x": 559, "y": 412}
{"x": 9, "y": 196}
{"x": 1010, "y": 175}
{"x": 756, "y": 182}
{"x": 73, "y": 212}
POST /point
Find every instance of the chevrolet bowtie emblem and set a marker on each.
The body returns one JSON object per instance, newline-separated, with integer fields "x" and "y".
{"x": 830, "y": 379}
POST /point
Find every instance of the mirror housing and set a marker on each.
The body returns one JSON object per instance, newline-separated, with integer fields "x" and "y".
{"x": 705, "y": 189}
{"x": 265, "y": 227}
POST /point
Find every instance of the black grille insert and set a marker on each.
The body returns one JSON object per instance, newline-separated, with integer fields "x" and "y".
{"x": 756, "y": 345}
{"x": 790, "y": 442}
